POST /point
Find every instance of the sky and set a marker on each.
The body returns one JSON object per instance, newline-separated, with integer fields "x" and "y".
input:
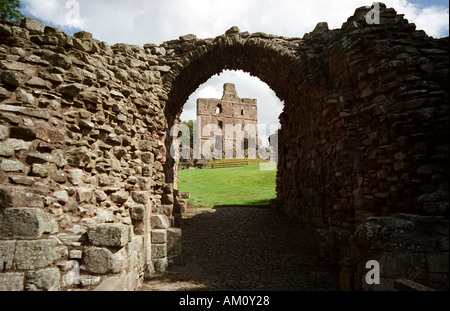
{"x": 155, "y": 21}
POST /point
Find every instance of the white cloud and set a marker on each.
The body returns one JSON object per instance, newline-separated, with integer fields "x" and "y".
{"x": 434, "y": 20}
{"x": 209, "y": 91}
{"x": 156, "y": 21}
{"x": 140, "y": 21}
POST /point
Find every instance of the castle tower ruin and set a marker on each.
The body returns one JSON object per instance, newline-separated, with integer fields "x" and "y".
{"x": 228, "y": 127}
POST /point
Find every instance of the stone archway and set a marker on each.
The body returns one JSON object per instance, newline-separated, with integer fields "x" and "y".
{"x": 330, "y": 83}
{"x": 355, "y": 115}
{"x": 234, "y": 50}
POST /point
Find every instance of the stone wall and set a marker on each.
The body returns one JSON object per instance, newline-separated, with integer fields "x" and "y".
{"x": 82, "y": 152}
{"x": 411, "y": 247}
{"x": 87, "y": 195}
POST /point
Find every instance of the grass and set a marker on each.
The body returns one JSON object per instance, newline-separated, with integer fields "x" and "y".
{"x": 247, "y": 185}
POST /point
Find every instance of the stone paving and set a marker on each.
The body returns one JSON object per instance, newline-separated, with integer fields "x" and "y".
{"x": 243, "y": 249}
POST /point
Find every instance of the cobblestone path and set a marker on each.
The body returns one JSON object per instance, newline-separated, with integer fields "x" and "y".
{"x": 244, "y": 249}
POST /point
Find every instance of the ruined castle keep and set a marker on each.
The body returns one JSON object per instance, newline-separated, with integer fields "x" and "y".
{"x": 228, "y": 127}
{"x": 87, "y": 198}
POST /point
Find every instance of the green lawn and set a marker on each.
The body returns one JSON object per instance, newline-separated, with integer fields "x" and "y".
{"x": 248, "y": 185}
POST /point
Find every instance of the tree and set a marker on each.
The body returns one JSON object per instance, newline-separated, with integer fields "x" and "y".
{"x": 10, "y": 10}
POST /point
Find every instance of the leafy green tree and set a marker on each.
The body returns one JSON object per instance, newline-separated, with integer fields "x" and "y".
{"x": 10, "y": 10}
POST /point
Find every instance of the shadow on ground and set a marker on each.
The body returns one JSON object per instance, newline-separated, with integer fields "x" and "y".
{"x": 245, "y": 248}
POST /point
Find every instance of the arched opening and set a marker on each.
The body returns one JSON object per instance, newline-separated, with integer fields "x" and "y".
{"x": 205, "y": 221}
{"x": 266, "y": 64}
{"x": 275, "y": 65}
{"x": 311, "y": 134}
{"x": 311, "y": 154}
{"x": 343, "y": 154}
{"x": 234, "y": 132}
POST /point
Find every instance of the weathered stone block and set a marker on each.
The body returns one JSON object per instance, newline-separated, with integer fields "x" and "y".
{"x": 120, "y": 196}
{"x": 26, "y": 223}
{"x": 100, "y": 195}
{"x": 148, "y": 157}
{"x": 5, "y": 30}
{"x": 83, "y": 35}
{"x": 137, "y": 212}
{"x": 165, "y": 209}
{"x": 6, "y": 150}
{"x": 38, "y": 83}
{"x": 14, "y": 196}
{"x": 12, "y": 281}
{"x": 71, "y": 89}
{"x": 140, "y": 196}
{"x": 33, "y": 25}
{"x": 14, "y": 166}
{"x": 37, "y": 254}
{"x": 425, "y": 170}
{"x": 40, "y": 170}
{"x": 159, "y": 236}
{"x": 43, "y": 280}
{"x": 75, "y": 176}
{"x": 10, "y": 77}
{"x": 71, "y": 271}
{"x": 114, "y": 235}
{"x": 64, "y": 62}
{"x": 103, "y": 260}
{"x": 114, "y": 283}
{"x": 161, "y": 264}
{"x": 103, "y": 215}
{"x": 79, "y": 157}
{"x": 84, "y": 194}
{"x": 146, "y": 170}
{"x": 159, "y": 251}
{"x": 19, "y": 144}
{"x": 4, "y": 130}
{"x": 159, "y": 222}
{"x": 40, "y": 158}
{"x": 7, "y": 250}
{"x": 75, "y": 254}
{"x": 8, "y": 197}
{"x": 23, "y": 180}
{"x": 174, "y": 246}
{"x": 61, "y": 196}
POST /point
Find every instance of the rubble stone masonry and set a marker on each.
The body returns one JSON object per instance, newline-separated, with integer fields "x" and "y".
{"x": 87, "y": 194}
